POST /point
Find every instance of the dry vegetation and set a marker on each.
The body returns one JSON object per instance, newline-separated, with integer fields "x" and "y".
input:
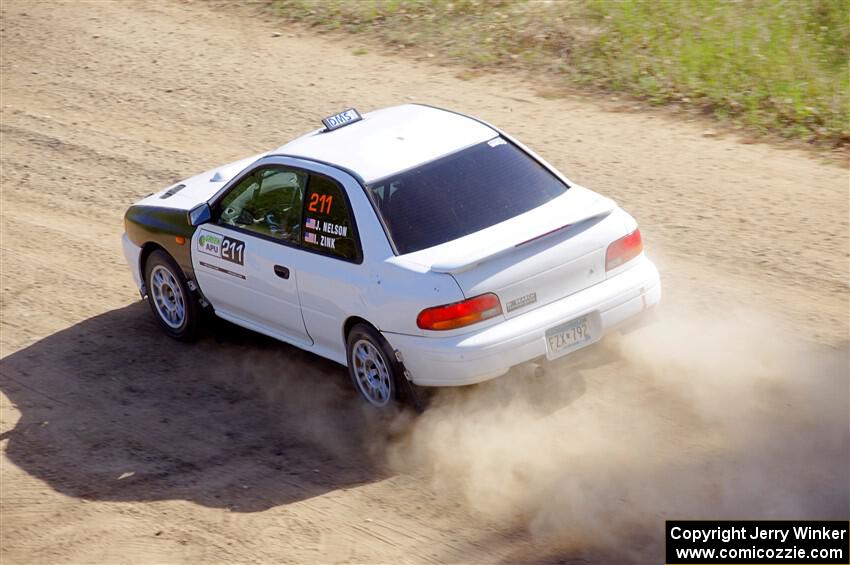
{"x": 773, "y": 66}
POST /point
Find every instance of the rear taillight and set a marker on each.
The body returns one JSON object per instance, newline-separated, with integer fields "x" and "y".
{"x": 623, "y": 250}
{"x": 460, "y": 314}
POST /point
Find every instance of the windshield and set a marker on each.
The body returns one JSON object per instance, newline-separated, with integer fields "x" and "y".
{"x": 462, "y": 193}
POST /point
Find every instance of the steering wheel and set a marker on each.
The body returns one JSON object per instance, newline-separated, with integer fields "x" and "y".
{"x": 245, "y": 217}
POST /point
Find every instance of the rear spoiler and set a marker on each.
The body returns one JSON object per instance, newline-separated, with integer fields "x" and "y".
{"x": 486, "y": 253}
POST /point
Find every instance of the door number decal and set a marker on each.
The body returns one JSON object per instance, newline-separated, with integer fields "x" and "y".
{"x": 221, "y": 246}
{"x": 233, "y": 250}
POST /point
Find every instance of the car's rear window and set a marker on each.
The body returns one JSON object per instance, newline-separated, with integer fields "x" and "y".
{"x": 462, "y": 193}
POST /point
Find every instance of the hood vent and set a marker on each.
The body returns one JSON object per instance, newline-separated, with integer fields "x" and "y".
{"x": 172, "y": 191}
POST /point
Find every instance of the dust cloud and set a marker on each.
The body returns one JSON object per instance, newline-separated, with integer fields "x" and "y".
{"x": 696, "y": 416}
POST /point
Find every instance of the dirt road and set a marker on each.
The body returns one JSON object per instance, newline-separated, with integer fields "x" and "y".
{"x": 122, "y": 446}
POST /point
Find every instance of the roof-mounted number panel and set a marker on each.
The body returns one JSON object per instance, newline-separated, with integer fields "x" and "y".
{"x": 344, "y": 118}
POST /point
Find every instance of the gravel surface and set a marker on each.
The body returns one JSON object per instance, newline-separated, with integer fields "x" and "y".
{"x": 120, "y": 445}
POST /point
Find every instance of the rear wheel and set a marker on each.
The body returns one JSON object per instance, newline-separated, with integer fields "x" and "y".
{"x": 173, "y": 305}
{"x": 370, "y": 364}
{"x": 377, "y": 375}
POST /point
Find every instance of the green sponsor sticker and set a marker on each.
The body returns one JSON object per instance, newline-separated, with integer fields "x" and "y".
{"x": 210, "y": 243}
{"x": 212, "y": 239}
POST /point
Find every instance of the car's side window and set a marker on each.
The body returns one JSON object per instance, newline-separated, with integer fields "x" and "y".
{"x": 268, "y": 202}
{"x": 328, "y": 226}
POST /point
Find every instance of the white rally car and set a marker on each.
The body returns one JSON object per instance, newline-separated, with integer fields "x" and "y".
{"x": 411, "y": 244}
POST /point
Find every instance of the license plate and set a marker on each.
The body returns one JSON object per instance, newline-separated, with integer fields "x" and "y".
{"x": 567, "y": 337}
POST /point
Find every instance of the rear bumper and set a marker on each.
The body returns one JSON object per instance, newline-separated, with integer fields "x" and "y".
{"x": 475, "y": 357}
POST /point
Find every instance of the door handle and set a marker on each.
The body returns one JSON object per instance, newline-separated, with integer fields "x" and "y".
{"x": 281, "y": 271}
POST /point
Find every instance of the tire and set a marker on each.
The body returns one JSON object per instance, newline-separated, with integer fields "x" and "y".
{"x": 377, "y": 376}
{"x": 174, "y": 307}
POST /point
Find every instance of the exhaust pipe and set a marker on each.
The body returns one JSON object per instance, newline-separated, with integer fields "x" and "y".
{"x": 536, "y": 370}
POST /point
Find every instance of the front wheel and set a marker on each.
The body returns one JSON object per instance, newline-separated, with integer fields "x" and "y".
{"x": 172, "y": 304}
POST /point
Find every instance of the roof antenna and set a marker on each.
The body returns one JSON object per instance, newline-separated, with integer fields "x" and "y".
{"x": 217, "y": 177}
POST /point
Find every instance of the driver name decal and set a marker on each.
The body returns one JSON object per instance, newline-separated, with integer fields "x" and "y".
{"x": 329, "y": 228}
{"x": 221, "y": 246}
{"x": 322, "y": 226}
{"x": 321, "y": 240}
{"x": 334, "y": 229}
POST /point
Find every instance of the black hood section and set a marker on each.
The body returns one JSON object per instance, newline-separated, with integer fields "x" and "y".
{"x": 161, "y": 226}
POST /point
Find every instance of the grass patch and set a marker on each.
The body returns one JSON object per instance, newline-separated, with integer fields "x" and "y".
{"x": 775, "y": 65}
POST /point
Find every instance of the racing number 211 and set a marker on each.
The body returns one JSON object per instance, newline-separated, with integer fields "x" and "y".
{"x": 323, "y": 201}
{"x": 233, "y": 250}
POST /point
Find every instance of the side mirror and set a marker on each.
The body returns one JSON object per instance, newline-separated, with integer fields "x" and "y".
{"x": 200, "y": 214}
